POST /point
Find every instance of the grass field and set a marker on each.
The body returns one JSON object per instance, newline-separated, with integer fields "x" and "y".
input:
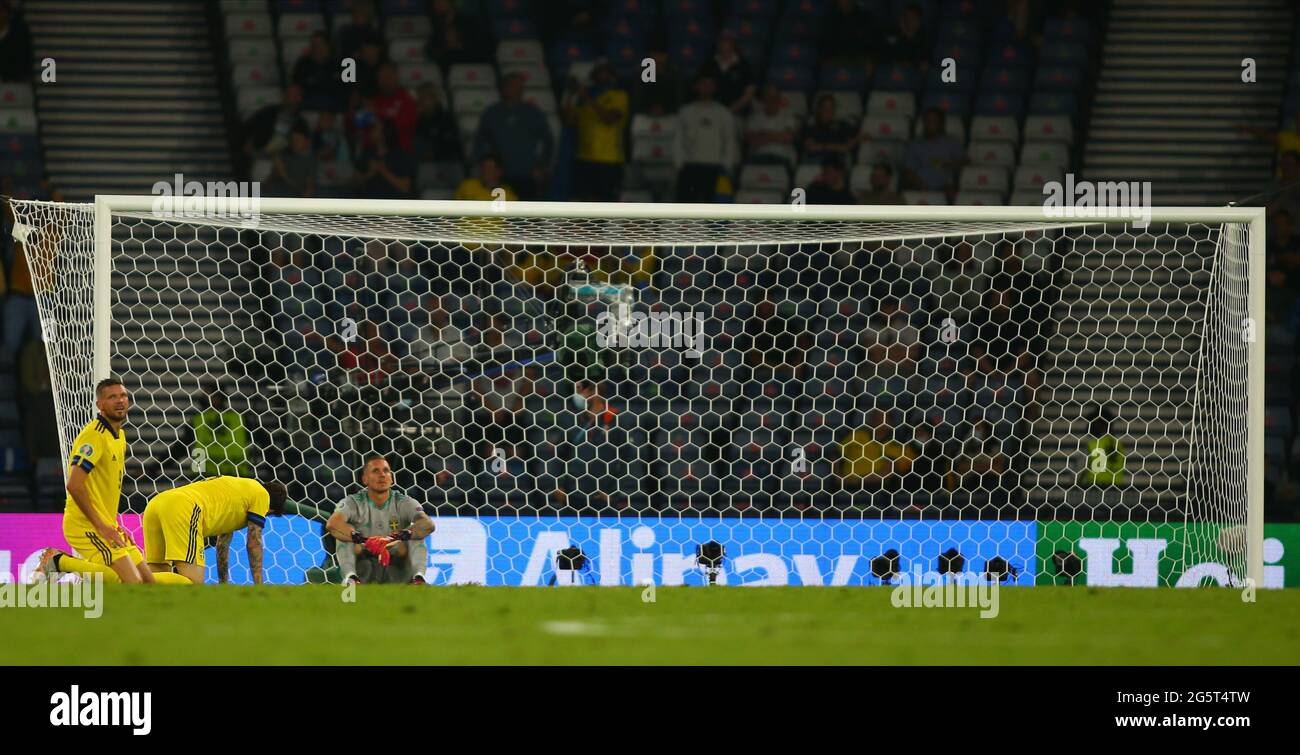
{"x": 311, "y": 624}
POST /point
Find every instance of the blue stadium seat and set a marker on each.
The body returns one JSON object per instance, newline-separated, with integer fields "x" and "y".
{"x": 1013, "y": 79}
{"x": 791, "y": 77}
{"x": 1065, "y": 53}
{"x": 1054, "y": 103}
{"x": 898, "y": 77}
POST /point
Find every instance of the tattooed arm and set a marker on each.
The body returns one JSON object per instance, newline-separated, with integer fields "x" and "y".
{"x": 223, "y": 558}
{"x": 255, "y": 552}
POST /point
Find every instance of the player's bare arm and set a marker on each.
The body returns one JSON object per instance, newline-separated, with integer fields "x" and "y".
{"x": 223, "y": 558}
{"x": 81, "y": 496}
{"x": 255, "y": 552}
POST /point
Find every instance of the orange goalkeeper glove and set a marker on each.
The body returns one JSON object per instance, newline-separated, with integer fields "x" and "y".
{"x": 379, "y": 547}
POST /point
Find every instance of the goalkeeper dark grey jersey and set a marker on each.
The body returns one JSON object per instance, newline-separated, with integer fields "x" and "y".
{"x": 398, "y": 512}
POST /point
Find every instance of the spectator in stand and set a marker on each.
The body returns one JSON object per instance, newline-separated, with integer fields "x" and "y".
{"x": 957, "y": 284}
{"x": 318, "y": 73}
{"x": 437, "y": 136}
{"x": 383, "y": 170}
{"x": 479, "y": 187}
{"x": 908, "y": 44}
{"x": 1001, "y": 326}
{"x": 931, "y": 161}
{"x": 330, "y": 145}
{"x": 828, "y": 136}
{"x": 846, "y": 35}
{"x": 586, "y": 469}
{"x": 361, "y": 31}
{"x": 872, "y": 460}
{"x": 369, "y": 59}
{"x": 600, "y": 114}
{"x": 1105, "y": 461}
{"x": 438, "y": 341}
{"x": 294, "y": 170}
{"x": 892, "y": 342}
{"x": 456, "y": 37}
{"x": 367, "y": 359}
{"x": 663, "y": 95}
{"x": 516, "y": 131}
{"x": 395, "y": 105}
{"x": 831, "y": 187}
{"x": 771, "y": 130}
{"x": 267, "y": 131}
{"x": 706, "y": 144}
{"x": 882, "y": 179}
{"x": 734, "y": 75}
{"x": 16, "y": 56}
{"x": 980, "y": 465}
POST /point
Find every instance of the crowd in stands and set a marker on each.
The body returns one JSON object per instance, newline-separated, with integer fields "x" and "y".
{"x": 682, "y": 100}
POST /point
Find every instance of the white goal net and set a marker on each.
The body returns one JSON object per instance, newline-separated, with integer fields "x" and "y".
{"x": 837, "y": 396}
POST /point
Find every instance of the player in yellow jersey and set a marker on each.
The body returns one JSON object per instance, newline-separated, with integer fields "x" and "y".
{"x": 98, "y": 460}
{"x": 176, "y": 521}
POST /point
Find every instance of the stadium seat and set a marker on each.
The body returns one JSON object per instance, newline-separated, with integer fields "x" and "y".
{"x": 254, "y": 98}
{"x": 892, "y": 103}
{"x": 15, "y": 96}
{"x": 415, "y": 75}
{"x": 520, "y": 51}
{"x": 994, "y": 128}
{"x": 983, "y": 178}
{"x": 991, "y": 153}
{"x": 805, "y": 174}
{"x": 408, "y": 26}
{"x": 251, "y": 48}
{"x": 249, "y": 25}
{"x": 1065, "y": 53}
{"x": 406, "y": 50}
{"x": 653, "y": 127}
{"x": 873, "y": 152}
{"x": 1045, "y": 153}
{"x": 999, "y": 78}
{"x": 886, "y": 127}
{"x": 463, "y": 75}
{"x": 1058, "y": 78}
{"x": 1054, "y": 103}
{"x": 1032, "y": 177}
{"x": 473, "y": 100}
{"x": 255, "y": 75}
{"x": 389, "y": 8}
{"x": 842, "y": 78}
{"x": 786, "y": 76}
{"x": 511, "y": 26}
{"x": 848, "y": 105}
{"x": 1049, "y": 128}
{"x": 764, "y": 177}
{"x": 1000, "y": 103}
{"x": 18, "y": 121}
{"x": 299, "y": 24}
{"x": 956, "y": 105}
{"x": 954, "y": 127}
{"x": 898, "y": 77}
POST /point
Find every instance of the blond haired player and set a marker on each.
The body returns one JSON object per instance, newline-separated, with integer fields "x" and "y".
{"x": 176, "y": 521}
{"x": 97, "y": 461}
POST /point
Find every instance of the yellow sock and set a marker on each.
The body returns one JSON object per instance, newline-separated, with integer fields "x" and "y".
{"x": 74, "y": 565}
{"x": 171, "y": 578}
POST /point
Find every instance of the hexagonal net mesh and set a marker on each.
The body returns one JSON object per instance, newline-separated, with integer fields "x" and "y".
{"x": 831, "y": 401}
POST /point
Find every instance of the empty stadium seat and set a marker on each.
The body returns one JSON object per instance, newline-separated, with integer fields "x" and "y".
{"x": 1049, "y": 128}
{"x": 892, "y": 103}
{"x": 245, "y": 24}
{"x": 994, "y": 128}
{"x": 996, "y": 153}
{"x": 764, "y": 177}
{"x": 463, "y": 75}
{"x": 1045, "y": 153}
{"x": 984, "y": 178}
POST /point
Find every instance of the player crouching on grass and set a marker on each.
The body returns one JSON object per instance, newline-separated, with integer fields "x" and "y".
{"x": 381, "y": 531}
{"x": 176, "y": 521}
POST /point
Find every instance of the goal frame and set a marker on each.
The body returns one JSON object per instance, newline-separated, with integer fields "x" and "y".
{"x": 1251, "y": 217}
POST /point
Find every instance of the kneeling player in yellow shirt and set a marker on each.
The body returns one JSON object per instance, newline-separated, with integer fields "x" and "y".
{"x": 176, "y": 521}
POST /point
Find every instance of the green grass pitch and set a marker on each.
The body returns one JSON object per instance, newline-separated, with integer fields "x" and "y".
{"x": 312, "y": 624}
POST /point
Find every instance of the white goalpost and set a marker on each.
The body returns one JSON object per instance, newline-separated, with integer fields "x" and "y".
{"x": 836, "y": 395}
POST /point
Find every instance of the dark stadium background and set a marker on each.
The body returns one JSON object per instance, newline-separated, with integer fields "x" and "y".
{"x": 1125, "y": 90}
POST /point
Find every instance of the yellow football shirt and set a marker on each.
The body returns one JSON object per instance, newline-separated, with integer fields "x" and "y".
{"x": 598, "y": 141}
{"x": 101, "y": 451}
{"x": 227, "y": 503}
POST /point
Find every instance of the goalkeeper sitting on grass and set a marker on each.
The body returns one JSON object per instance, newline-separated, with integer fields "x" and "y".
{"x": 385, "y": 529}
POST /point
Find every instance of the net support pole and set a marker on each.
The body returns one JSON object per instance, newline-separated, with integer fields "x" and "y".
{"x": 103, "y": 289}
{"x": 1255, "y": 418}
